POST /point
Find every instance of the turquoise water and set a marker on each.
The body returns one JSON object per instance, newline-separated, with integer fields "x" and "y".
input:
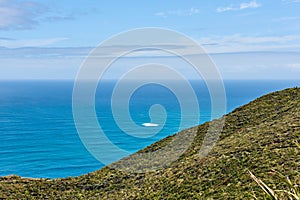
{"x": 38, "y": 136}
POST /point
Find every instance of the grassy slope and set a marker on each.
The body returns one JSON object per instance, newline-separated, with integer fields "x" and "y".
{"x": 258, "y": 137}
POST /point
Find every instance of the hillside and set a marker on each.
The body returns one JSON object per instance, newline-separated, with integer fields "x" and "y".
{"x": 260, "y": 136}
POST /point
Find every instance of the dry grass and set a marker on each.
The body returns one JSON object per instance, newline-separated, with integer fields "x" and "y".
{"x": 292, "y": 193}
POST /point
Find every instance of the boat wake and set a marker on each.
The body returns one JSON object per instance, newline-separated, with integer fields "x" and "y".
{"x": 149, "y": 124}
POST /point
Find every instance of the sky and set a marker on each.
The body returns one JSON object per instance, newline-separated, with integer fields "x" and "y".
{"x": 247, "y": 39}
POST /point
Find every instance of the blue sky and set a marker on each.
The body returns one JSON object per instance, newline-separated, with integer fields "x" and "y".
{"x": 248, "y": 39}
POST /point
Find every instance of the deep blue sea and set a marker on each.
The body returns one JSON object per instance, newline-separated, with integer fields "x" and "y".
{"x": 38, "y": 137}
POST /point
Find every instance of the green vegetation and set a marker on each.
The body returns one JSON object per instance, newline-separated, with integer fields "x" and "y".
{"x": 260, "y": 137}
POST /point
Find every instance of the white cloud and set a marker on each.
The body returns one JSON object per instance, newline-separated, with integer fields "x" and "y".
{"x": 291, "y": 1}
{"x": 287, "y": 18}
{"x": 22, "y": 14}
{"x": 224, "y": 9}
{"x": 252, "y": 4}
{"x": 187, "y": 12}
{"x": 29, "y": 42}
{"x": 294, "y": 66}
{"x": 242, "y": 6}
{"x": 238, "y": 43}
{"x": 160, "y": 14}
{"x": 19, "y": 15}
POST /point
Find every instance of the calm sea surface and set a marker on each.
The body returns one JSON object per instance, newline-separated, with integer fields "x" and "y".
{"x": 38, "y": 137}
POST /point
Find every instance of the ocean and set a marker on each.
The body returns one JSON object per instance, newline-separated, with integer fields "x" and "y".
{"x": 38, "y": 135}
